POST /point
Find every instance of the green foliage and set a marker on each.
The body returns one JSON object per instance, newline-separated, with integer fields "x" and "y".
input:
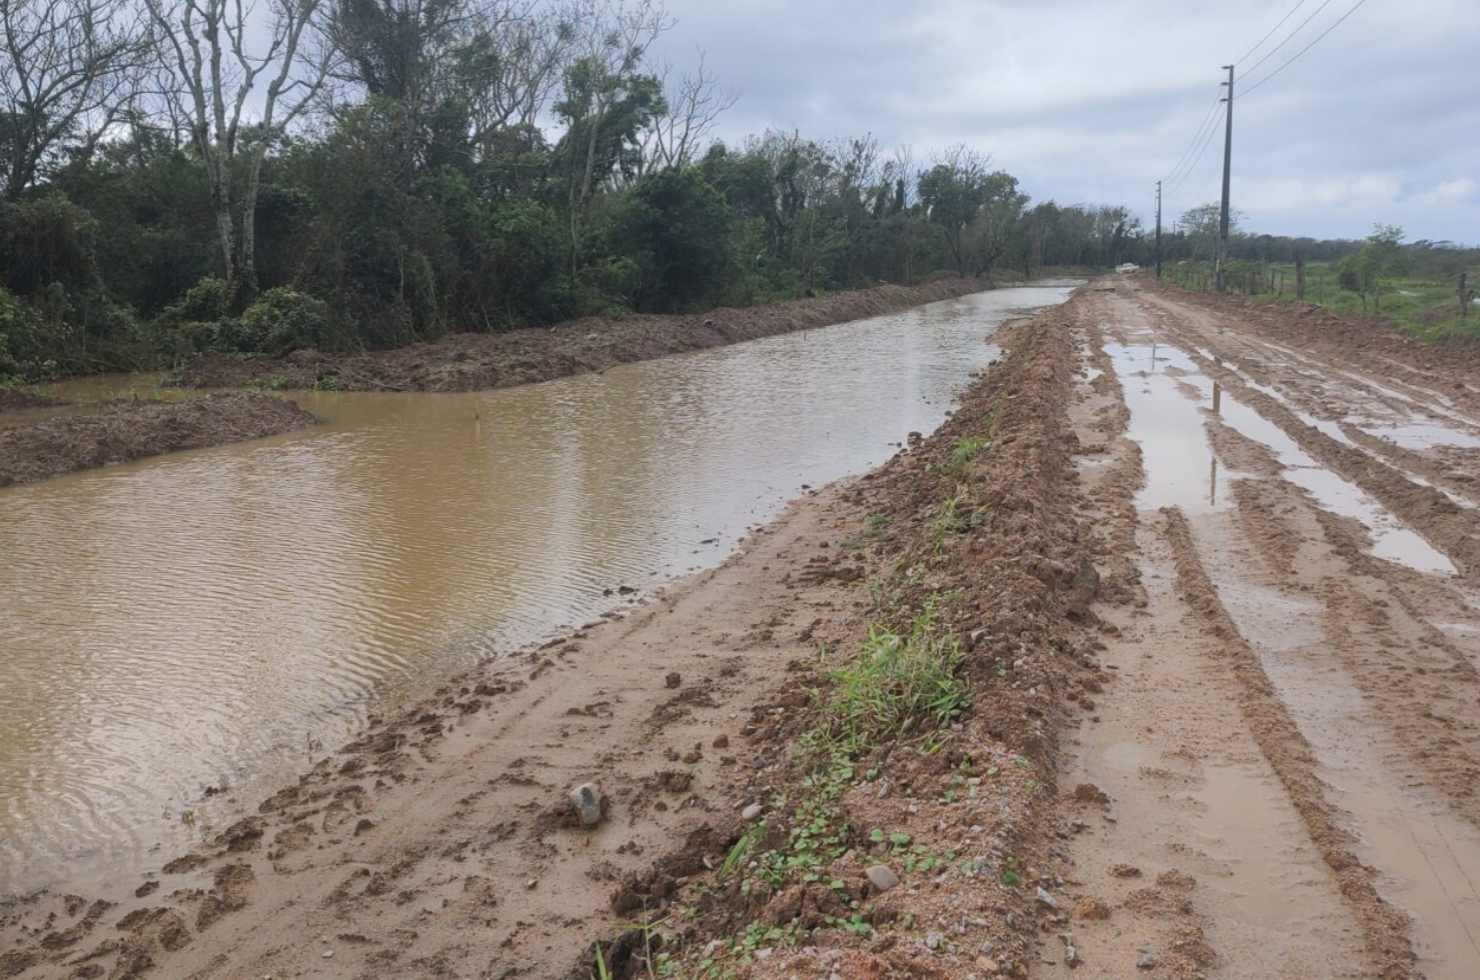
{"x": 24, "y": 341}
{"x": 46, "y": 242}
{"x": 966, "y": 449}
{"x": 206, "y": 302}
{"x": 676, "y": 228}
{"x": 279, "y": 321}
{"x": 898, "y": 681}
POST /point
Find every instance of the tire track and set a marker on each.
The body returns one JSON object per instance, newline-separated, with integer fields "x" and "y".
{"x": 1385, "y": 929}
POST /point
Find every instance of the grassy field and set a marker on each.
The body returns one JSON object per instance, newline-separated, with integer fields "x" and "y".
{"x": 1424, "y": 308}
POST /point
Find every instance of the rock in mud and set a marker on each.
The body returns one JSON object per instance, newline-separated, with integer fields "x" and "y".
{"x": 674, "y": 679}
{"x": 882, "y": 877}
{"x": 1146, "y": 962}
{"x": 1044, "y": 898}
{"x": 586, "y": 801}
{"x": 751, "y": 812}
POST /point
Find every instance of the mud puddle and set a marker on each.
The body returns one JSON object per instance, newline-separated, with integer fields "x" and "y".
{"x": 222, "y": 617}
{"x": 1429, "y": 856}
{"x": 1183, "y": 471}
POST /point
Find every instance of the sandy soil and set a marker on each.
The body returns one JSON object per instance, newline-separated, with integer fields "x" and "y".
{"x": 1224, "y": 720}
{"x": 127, "y": 430}
{"x": 475, "y": 362}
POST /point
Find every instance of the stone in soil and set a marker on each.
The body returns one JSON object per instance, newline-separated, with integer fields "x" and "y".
{"x": 586, "y": 801}
{"x": 882, "y": 877}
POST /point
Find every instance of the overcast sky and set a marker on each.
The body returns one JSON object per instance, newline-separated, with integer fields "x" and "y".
{"x": 1094, "y": 100}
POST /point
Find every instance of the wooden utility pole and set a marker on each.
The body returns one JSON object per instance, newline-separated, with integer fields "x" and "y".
{"x": 1158, "y": 229}
{"x": 1227, "y": 174}
{"x": 1300, "y": 279}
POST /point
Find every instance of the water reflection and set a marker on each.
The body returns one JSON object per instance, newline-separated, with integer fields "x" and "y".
{"x": 210, "y": 617}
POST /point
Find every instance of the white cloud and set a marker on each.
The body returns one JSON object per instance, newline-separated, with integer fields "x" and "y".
{"x": 1461, "y": 190}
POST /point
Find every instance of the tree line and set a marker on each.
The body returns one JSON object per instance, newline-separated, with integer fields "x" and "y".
{"x": 180, "y": 176}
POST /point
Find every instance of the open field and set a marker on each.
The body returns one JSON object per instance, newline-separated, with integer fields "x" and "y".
{"x": 1424, "y": 308}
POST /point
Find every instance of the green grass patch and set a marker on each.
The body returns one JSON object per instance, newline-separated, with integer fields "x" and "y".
{"x": 900, "y": 681}
{"x": 964, "y": 452}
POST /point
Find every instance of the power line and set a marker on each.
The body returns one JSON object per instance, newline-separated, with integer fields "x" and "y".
{"x": 1302, "y": 51}
{"x": 1201, "y": 150}
{"x": 1266, "y": 37}
{"x": 1289, "y": 37}
{"x": 1187, "y": 153}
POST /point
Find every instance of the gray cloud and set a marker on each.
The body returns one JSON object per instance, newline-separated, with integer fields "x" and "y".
{"x": 1086, "y": 100}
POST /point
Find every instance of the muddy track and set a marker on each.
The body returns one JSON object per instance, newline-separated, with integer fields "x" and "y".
{"x": 477, "y": 362}
{"x": 1299, "y": 712}
{"x": 122, "y": 431}
{"x": 1385, "y": 929}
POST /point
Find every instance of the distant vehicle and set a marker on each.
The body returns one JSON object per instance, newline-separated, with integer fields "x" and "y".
{"x": 1125, "y": 267}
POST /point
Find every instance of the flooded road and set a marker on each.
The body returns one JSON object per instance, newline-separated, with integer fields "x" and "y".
{"x": 1294, "y": 741}
{"x": 220, "y": 618}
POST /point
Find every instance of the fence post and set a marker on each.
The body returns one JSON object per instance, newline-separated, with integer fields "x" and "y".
{"x": 1300, "y": 279}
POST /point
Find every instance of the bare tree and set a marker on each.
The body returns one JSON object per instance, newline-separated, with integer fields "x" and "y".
{"x": 66, "y": 67}
{"x": 695, "y": 103}
{"x": 240, "y": 80}
{"x": 607, "y": 53}
{"x": 523, "y": 47}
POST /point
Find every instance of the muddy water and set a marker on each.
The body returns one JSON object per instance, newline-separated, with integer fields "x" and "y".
{"x": 219, "y": 618}
{"x": 1169, "y": 399}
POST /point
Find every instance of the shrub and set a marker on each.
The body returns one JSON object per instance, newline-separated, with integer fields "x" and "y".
{"x": 24, "y": 340}
{"x": 206, "y": 302}
{"x": 283, "y": 320}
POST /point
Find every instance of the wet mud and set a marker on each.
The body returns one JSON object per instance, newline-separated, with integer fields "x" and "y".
{"x": 123, "y": 431}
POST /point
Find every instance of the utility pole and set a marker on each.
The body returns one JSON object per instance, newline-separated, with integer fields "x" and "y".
{"x": 1158, "y": 229}
{"x": 1227, "y": 173}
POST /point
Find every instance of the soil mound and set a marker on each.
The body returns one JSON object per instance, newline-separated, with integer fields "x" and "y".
{"x": 129, "y": 430}
{"x": 477, "y": 362}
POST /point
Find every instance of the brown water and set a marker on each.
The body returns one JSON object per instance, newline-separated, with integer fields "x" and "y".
{"x": 219, "y": 617}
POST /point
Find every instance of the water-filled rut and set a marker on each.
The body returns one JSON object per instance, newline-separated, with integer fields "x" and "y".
{"x": 218, "y": 618}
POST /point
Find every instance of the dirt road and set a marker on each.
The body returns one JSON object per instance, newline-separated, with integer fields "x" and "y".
{"x": 1216, "y": 594}
{"x": 1292, "y": 755}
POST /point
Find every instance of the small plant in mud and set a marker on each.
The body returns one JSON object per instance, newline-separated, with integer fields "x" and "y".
{"x": 912, "y": 857}
{"x": 818, "y": 834}
{"x": 954, "y": 519}
{"x": 899, "y": 680}
{"x": 277, "y": 382}
{"x": 874, "y": 529}
{"x": 328, "y": 382}
{"x": 889, "y": 593}
{"x": 967, "y": 449}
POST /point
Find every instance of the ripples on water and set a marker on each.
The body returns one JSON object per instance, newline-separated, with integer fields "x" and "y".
{"x": 214, "y": 617}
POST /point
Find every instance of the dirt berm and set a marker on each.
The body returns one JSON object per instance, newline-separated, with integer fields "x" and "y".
{"x": 127, "y": 430}
{"x": 475, "y": 362}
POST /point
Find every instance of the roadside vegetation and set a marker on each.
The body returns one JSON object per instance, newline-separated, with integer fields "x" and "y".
{"x": 346, "y": 175}
{"x": 1413, "y": 287}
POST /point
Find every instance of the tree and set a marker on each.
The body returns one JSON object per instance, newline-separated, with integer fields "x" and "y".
{"x": 1381, "y": 256}
{"x": 675, "y": 226}
{"x": 607, "y": 103}
{"x": 692, "y": 107}
{"x": 976, "y": 209}
{"x": 1201, "y": 226}
{"x": 67, "y": 68}
{"x": 215, "y": 74}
